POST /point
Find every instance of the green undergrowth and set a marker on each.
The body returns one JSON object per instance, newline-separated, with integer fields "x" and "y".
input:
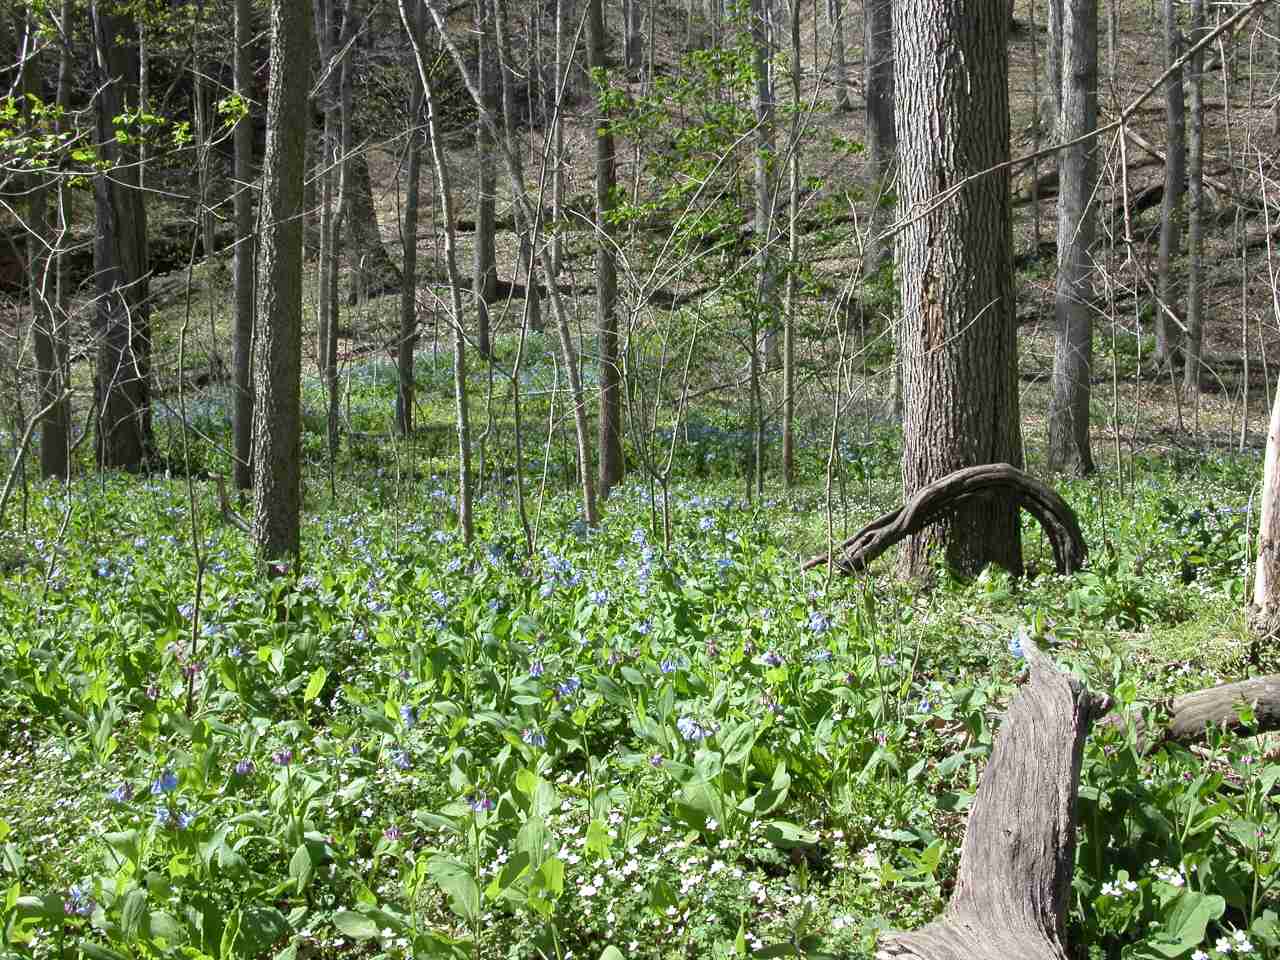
{"x": 671, "y": 743}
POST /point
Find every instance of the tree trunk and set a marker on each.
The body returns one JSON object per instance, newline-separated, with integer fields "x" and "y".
{"x": 47, "y": 336}
{"x": 1266, "y": 577}
{"x": 633, "y": 40}
{"x": 1195, "y": 212}
{"x": 123, "y": 383}
{"x": 881, "y": 141}
{"x": 954, "y": 261}
{"x": 793, "y": 265}
{"x": 610, "y": 414}
{"x": 484, "y": 275}
{"x": 564, "y": 36}
{"x": 408, "y": 339}
{"x": 373, "y": 272}
{"x": 1069, "y": 448}
{"x": 277, "y": 453}
{"x": 244, "y": 263}
{"x": 1051, "y": 103}
{"x": 445, "y": 192}
{"x": 1014, "y": 884}
{"x": 835, "y": 11}
{"x": 1167, "y": 335}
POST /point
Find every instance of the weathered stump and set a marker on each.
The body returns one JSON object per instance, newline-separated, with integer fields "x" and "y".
{"x": 1010, "y": 899}
{"x": 935, "y": 501}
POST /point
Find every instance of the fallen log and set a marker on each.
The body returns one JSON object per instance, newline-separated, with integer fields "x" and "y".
{"x": 939, "y": 498}
{"x": 1011, "y": 894}
{"x": 1245, "y": 708}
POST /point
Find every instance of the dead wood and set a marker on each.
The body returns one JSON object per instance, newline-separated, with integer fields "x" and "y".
{"x": 1010, "y": 899}
{"x": 1245, "y": 708}
{"x": 939, "y": 498}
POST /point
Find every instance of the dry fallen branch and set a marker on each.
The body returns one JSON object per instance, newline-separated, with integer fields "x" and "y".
{"x": 939, "y": 498}
{"x": 1191, "y": 715}
{"x": 1010, "y": 899}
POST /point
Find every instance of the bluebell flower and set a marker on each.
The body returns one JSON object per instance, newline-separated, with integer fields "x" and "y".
{"x": 282, "y": 758}
{"x": 164, "y": 816}
{"x": 167, "y": 782}
{"x": 707, "y": 524}
{"x": 820, "y": 656}
{"x": 184, "y": 819}
{"x": 644, "y": 627}
{"x": 638, "y": 537}
{"x": 926, "y": 706}
{"x": 537, "y": 668}
{"x": 235, "y": 653}
{"x": 692, "y": 730}
{"x": 408, "y": 715}
{"x": 401, "y": 759}
{"x": 533, "y": 737}
{"x": 122, "y": 793}
{"x": 77, "y": 903}
{"x": 598, "y": 598}
{"x": 723, "y": 564}
{"x": 439, "y": 598}
{"x": 547, "y": 589}
{"x": 1019, "y": 642}
{"x": 245, "y": 767}
{"x": 656, "y": 760}
{"x": 393, "y": 833}
{"x": 186, "y": 610}
{"x": 888, "y": 660}
{"x": 479, "y": 802}
{"x": 453, "y": 566}
{"x": 772, "y": 658}
{"x": 818, "y": 622}
{"x": 568, "y": 687}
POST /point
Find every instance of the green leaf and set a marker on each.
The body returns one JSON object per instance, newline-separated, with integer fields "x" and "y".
{"x": 355, "y": 925}
{"x": 783, "y": 833}
{"x": 133, "y": 914}
{"x": 611, "y": 953}
{"x": 598, "y": 838}
{"x": 301, "y": 867}
{"x": 96, "y": 951}
{"x": 455, "y": 879}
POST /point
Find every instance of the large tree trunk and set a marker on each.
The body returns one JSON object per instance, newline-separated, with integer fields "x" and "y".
{"x": 409, "y": 232}
{"x": 244, "y": 263}
{"x": 1069, "y": 448}
{"x": 1175, "y": 171}
{"x": 1012, "y": 892}
{"x": 277, "y": 414}
{"x": 764, "y": 330}
{"x": 120, "y": 266}
{"x": 484, "y": 274}
{"x": 373, "y": 273}
{"x": 954, "y": 262}
{"x": 610, "y": 413}
{"x": 793, "y": 260}
{"x": 1195, "y": 212}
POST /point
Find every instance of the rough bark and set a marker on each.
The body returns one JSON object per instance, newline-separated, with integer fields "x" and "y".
{"x": 1051, "y": 103}
{"x": 484, "y": 271}
{"x": 1014, "y": 881}
{"x": 373, "y": 273}
{"x": 1244, "y": 707}
{"x": 881, "y": 139}
{"x": 244, "y": 262}
{"x": 1195, "y": 209}
{"x": 122, "y": 319}
{"x": 1171, "y": 212}
{"x": 1069, "y": 448}
{"x": 935, "y": 501}
{"x": 408, "y": 338}
{"x": 609, "y": 424}
{"x": 47, "y": 335}
{"x": 633, "y": 40}
{"x": 835, "y": 10}
{"x": 954, "y": 261}
{"x": 277, "y": 448}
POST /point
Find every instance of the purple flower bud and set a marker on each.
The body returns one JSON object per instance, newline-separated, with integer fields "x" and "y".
{"x": 245, "y": 768}
{"x": 282, "y": 758}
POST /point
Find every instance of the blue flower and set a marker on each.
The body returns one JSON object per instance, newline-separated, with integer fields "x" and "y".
{"x": 638, "y": 537}
{"x": 707, "y": 524}
{"x": 409, "y": 715}
{"x": 568, "y": 687}
{"x": 656, "y": 760}
{"x": 536, "y": 668}
{"x": 644, "y": 627}
{"x": 598, "y": 598}
{"x": 670, "y": 665}
{"x": 533, "y": 737}
{"x": 245, "y": 767}
{"x": 185, "y": 819}
{"x": 479, "y": 802}
{"x": 166, "y": 783}
{"x": 772, "y": 659}
{"x": 692, "y": 730}
{"x": 122, "y": 793}
{"x": 723, "y": 564}
{"x": 77, "y": 903}
{"x": 393, "y": 833}
{"x": 164, "y": 816}
{"x": 1019, "y": 643}
{"x": 401, "y": 759}
{"x": 282, "y": 758}
{"x": 818, "y": 622}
